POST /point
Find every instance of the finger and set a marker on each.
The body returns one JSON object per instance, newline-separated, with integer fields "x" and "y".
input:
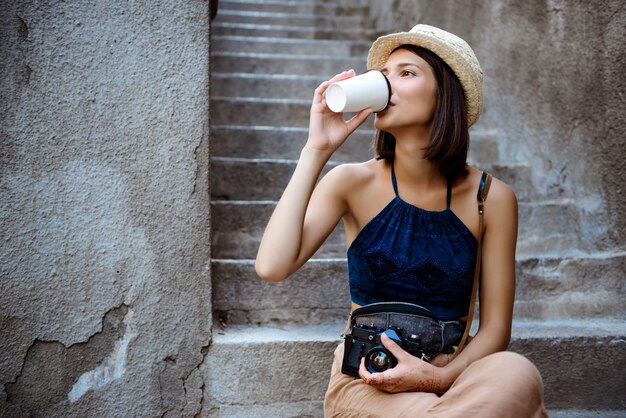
{"x": 358, "y": 119}
{"x": 373, "y": 379}
{"x": 394, "y": 348}
{"x": 341, "y": 76}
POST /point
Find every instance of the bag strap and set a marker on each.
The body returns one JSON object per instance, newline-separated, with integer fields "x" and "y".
{"x": 483, "y": 190}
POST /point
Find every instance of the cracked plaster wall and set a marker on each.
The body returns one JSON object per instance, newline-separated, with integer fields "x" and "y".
{"x": 555, "y": 90}
{"x": 104, "y": 207}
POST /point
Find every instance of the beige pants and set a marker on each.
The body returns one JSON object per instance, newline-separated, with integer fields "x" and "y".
{"x": 501, "y": 385}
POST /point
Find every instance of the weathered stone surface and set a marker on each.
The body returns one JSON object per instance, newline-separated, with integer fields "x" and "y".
{"x": 484, "y": 148}
{"x": 548, "y": 228}
{"x": 290, "y": 31}
{"x": 573, "y": 364}
{"x": 238, "y": 227}
{"x": 104, "y": 203}
{"x": 317, "y": 294}
{"x": 279, "y": 142}
{"x": 293, "y": 363}
{"x": 287, "y": 86}
{"x": 52, "y": 371}
{"x": 304, "y": 409}
{"x": 266, "y": 179}
{"x": 583, "y": 286}
{"x": 356, "y": 48}
{"x": 586, "y": 413}
{"x": 323, "y": 7}
{"x": 280, "y": 63}
{"x": 547, "y": 289}
{"x": 246, "y": 111}
{"x": 328, "y": 21}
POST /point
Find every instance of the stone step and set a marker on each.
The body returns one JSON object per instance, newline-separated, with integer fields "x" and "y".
{"x": 273, "y": 45}
{"x": 270, "y": 86}
{"x": 274, "y": 142}
{"x": 237, "y": 228}
{"x": 304, "y": 409}
{"x": 254, "y": 111}
{"x": 545, "y": 229}
{"x": 314, "y": 409}
{"x": 292, "y": 31}
{"x": 575, "y": 286}
{"x": 516, "y": 176}
{"x": 295, "y": 6}
{"x": 585, "y": 413}
{"x": 257, "y": 179}
{"x": 324, "y": 20}
{"x": 293, "y": 362}
{"x": 266, "y": 179}
{"x": 286, "y": 143}
{"x": 588, "y": 286}
{"x": 316, "y": 294}
{"x": 548, "y": 227}
{"x": 253, "y": 62}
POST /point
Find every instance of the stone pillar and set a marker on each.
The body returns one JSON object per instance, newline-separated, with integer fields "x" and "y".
{"x": 105, "y": 306}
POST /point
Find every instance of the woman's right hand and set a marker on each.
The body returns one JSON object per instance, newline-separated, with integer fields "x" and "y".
{"x": 327, "y": 129}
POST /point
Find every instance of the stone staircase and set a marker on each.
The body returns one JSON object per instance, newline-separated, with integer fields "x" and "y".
{"x": 272, "y": 343}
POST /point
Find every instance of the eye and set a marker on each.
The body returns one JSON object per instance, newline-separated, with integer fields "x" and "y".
{"x": 406, "y": 73}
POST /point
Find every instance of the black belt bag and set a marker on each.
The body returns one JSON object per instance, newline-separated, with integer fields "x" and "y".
{"x": 411, "y": 326}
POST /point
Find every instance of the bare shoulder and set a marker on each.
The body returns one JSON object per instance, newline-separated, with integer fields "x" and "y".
{"x": 501, "y": 195}
{"x": 352, "y": 176}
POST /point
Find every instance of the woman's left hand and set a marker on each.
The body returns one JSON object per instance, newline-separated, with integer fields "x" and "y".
{"x": 411, "y": 374}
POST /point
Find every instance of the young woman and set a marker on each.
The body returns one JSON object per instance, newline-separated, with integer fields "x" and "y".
{"x": 411, "y": 223}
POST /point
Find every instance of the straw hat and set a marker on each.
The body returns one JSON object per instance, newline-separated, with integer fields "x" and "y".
{"x": 452, "y": 49}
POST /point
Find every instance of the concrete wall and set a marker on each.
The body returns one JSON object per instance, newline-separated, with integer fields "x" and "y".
{"x": 105, "y": 303}
{"x": 555, "y": 89}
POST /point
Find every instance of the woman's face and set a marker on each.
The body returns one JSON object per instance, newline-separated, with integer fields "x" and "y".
{"x": 413, "y": 93}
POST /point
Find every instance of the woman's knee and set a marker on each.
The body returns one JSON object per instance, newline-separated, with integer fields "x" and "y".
{"x": 515, "y": 367}
{"x": 515, "y": 362}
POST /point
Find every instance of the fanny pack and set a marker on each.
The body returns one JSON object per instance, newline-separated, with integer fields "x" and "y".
{"x": 411, "y": 326}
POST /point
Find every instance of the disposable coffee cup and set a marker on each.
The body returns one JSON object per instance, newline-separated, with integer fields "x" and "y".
{"x": 371, "y": 89}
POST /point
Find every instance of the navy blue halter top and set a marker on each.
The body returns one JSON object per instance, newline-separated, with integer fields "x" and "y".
{"x": 408, "y": 254}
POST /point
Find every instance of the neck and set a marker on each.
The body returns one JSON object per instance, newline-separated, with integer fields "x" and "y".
{"x": 410, "y": 164}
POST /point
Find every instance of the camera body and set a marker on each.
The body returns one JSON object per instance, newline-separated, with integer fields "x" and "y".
{"x": 365, "y": 341}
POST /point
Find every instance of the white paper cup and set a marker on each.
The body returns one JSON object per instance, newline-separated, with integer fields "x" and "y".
{"x": 370, "y": 89}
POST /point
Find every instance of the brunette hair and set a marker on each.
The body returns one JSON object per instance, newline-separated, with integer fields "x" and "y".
{"x": 449, "y": 138}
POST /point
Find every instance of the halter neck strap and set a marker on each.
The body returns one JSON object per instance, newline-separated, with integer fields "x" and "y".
{"x": 393, "y": 180}
{"x": 395, "y": 187}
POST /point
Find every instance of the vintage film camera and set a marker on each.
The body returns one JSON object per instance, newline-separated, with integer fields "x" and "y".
{"x": 364, "y": 341}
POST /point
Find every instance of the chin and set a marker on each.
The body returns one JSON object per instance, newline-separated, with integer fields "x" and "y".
{"x": 381, "y": 123}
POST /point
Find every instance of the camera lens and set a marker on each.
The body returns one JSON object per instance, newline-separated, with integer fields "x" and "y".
{"x": 378, "y": 359}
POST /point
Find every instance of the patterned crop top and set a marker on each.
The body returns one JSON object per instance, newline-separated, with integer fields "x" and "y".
{"x": 408, "y": 254}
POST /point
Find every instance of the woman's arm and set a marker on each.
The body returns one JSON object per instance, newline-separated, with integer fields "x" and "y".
{"x": 305, "y": 214}
{"x": 497, "y": 294}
